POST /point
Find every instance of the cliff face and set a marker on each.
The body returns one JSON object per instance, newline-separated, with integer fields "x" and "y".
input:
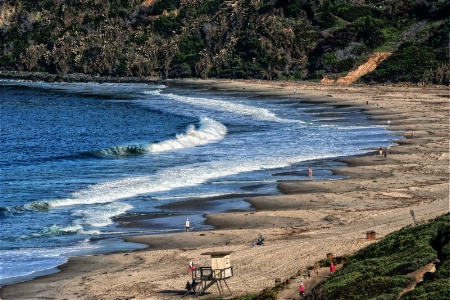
{"x": 264, "y": 39}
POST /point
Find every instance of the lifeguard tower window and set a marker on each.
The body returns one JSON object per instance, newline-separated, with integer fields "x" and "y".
{"x": 221, "y": 264}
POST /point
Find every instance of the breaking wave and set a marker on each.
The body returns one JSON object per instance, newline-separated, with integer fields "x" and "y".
{"x": 209, "y": 131}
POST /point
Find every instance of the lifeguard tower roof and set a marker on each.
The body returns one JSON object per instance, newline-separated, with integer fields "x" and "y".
{"x": 217, "y": 253}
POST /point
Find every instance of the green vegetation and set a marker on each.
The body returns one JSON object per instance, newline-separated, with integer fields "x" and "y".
{"x": 422, "y": 60}
{"x": 267, "y": 39}
{"x": 383, "y": 270}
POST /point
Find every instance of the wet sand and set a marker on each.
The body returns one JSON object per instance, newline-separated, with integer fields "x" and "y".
{"x": 307, "y": 220}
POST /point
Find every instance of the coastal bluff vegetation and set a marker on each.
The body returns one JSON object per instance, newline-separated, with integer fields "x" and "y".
{"x": 412, "y": 263}
{"x": 236, "y": 39}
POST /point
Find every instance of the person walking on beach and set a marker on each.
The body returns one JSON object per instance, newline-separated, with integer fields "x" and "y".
{"x": 191, "y": 267}
{"x": 310, "y": 172}
{"x": 332, "y": 269}
{"x": 380, "y": 150}
{"x": 316, "y": 268}
{"x": 385, "y": 151}
{"x": 301, "y": 290}
{"x": 187, "y": 224}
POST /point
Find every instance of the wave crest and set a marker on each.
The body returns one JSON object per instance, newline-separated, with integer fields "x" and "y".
{"x": 208, "y": 132}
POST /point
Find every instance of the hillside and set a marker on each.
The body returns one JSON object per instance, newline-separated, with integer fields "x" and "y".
{"x": 412, "y": 263}
{"x": 246, "y": 39}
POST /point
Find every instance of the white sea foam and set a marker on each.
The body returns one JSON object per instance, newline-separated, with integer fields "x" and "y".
{"x": 208, "y": 132}
{"x": 173, "y": 178}
{"x": 153, "y": 92}
{"x": 231, "y": 107}
{"x": 97, "y": 216}
{"x": 40, "y": 261}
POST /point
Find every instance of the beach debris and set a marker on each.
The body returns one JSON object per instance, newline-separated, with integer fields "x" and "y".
{"x": 277, "y": 281}
{"x": 371, "y": 235}
{"x": 413, "y": 216}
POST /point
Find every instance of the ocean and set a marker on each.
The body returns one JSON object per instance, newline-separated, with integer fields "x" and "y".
{"x": 81, "y": 162}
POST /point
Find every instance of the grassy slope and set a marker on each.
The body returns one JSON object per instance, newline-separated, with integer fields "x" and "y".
{"x": 383, "y": 270}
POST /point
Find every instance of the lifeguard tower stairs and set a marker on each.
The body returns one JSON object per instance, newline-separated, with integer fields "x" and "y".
{"x": 205, "y": 277}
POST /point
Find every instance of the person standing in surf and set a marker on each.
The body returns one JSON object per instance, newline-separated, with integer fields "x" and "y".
{"x": 187, "y": 224}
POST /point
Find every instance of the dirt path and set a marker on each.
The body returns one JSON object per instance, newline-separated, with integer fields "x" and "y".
{"x": 291, "y": 292}
{"x": 418, "y": 276}
{"x": 367, "y": 67}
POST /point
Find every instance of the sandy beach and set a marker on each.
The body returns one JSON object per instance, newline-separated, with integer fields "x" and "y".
{"x": 308, "y": 220}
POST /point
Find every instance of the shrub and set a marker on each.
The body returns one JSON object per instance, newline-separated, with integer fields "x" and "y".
{"x": 369, "y": 31}
{"x": 167, "y": 26}
{"x": 351, "y": 13}
{"x": 165, "y": 5}
{"x": 267, "y": 294}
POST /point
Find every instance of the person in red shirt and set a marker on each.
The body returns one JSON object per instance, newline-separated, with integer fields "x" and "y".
{"x": 191, "y": 267}
{"x": 332, "y": 269}
{"x": 301, "y": 290}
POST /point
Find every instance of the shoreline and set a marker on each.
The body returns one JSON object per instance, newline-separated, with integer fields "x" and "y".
{"x": 307, "y": 220}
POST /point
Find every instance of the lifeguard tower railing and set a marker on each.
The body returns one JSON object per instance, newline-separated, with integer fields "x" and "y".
{"x": 205, "y": 277}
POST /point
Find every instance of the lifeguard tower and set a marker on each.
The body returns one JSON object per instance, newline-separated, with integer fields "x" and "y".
{"x": 205, "y": 277}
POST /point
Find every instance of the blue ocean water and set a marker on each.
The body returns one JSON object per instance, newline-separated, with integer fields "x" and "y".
{"x": 77, "y": 157}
